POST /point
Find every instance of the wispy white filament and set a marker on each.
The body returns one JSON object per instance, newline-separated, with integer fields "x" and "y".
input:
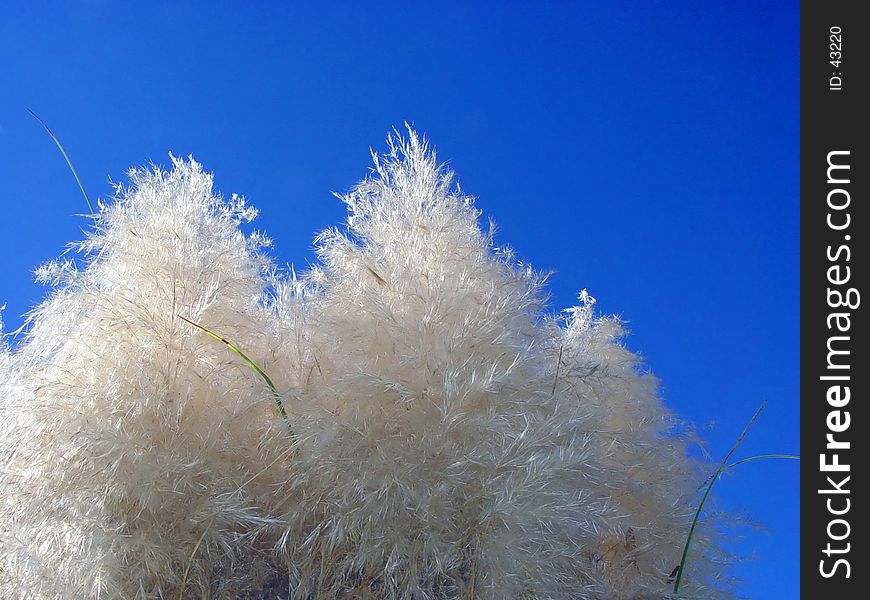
{"x": 452, "y": 439}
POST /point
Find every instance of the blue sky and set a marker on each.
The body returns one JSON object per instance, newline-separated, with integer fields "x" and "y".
{"x": 647, "y": 151}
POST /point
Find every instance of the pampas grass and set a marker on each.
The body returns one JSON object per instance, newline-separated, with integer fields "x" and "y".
{"x": 450, "y": 437}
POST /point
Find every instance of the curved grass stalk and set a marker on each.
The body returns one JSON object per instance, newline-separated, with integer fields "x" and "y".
{"x": 250, "y": 363}
{"x": 723, "y": 466}
{"x": 750, "y": 459}
{"x": 190, "y": 560}
{"x": 68, "y": 162}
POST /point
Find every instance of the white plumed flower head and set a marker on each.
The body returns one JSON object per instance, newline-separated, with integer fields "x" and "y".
{"x": 450, "y": 437}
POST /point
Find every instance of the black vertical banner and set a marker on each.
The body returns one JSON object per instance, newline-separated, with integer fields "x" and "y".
{"x": 835, "y": 438}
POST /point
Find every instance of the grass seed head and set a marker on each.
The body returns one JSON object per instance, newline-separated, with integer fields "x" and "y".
{"x": 451, "y": 438}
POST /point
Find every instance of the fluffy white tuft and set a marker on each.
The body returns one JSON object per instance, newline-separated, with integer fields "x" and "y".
{"x": 447, "y": 437}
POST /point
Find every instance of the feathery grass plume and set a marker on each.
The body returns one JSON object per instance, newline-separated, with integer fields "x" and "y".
{"x": 438, "y": 459}
{"x": 452, "y": 439}
{"x": 126, "y": 433}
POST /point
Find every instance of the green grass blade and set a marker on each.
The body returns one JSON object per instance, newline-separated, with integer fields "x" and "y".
{"x": 250, "y": 363}
{"x": 68, "y": 162}
{"x": 722, "y": 466}
{"x": 760, "y": 456}
{"x": 750, "y": 459}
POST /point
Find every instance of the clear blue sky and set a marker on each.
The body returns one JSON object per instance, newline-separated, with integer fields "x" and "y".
{"x": 647, "y": 151}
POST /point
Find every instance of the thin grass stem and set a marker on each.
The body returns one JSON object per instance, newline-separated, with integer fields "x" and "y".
{"x": 250, "y": 363}
{"x": 68, "y": 162}
{"x": 722, "y": 466}
{"x": 190, "y": 560}
{"x": 750, "y": 459}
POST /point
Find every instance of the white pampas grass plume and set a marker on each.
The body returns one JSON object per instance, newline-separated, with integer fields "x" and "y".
{"x": 126, "y": 434}
{"x": 450, "y": 437}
